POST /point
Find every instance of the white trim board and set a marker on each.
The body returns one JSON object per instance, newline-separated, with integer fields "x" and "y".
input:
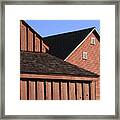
{"x": 81, "y": 43}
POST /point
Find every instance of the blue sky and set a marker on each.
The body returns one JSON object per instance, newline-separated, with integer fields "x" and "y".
{"x": 52, "y": 27}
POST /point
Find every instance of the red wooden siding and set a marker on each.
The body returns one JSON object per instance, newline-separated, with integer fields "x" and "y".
{"x": 79, "y": 91}
{"x": 32, "y": 92}
{"x": 86, "y": 91}
{"x": 93, "y": 52}
{"x": 31, "y": 40}
{"x": 35, "y": 87}
{"x": 23, "y": 41}
{"x": 45, "y": 48}
{"x": 40, "y": 90}
{"x": 92, "y": 63}
{"x": 56, "y": 90}
{"x": 72, "y": 91}
{"x": 93, "y": 90}
{"x": 48, "y": 90}
{"x": 97, "y": 89}
{"x": 37, "y": 44}
{"x": 23, "y": 90}
{"x": 64, "y": 94}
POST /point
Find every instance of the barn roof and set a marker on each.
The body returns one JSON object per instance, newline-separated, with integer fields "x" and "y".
{"x": 62, "y": 45}
{"x": 44, "y": 63}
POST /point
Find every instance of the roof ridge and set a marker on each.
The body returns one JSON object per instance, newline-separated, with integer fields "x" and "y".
{"x": 70, "y": 32}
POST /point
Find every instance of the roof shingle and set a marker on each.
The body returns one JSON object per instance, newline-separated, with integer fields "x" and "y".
{"x": 44, "y": 63}
{"x": 62, "y": 45}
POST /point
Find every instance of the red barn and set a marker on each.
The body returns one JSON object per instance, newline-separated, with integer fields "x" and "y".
{"x": 81, "y": 48}
{"x": 47, "y": 77}
{"x": 44, "y": 75}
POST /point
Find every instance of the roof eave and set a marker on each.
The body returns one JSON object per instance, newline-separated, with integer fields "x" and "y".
{"x": 57, "y": 77}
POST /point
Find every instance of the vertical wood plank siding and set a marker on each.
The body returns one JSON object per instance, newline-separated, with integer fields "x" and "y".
{"x": 32, "y": 90}
{"x": 30, "y": 40}
{"x": 64, "y": 95}
{"x": 93, "y": 90}
{"x": 48, "y": 90}
{"x": 23, "y": 40}
{"x": 79, "y": 91}
{"x": 23, "y": 90}
{"x": 86, "y": 91}
{"x": 56, "y": 89}
{"x": 38, "y": 89}
{"x": 72, "y": 91}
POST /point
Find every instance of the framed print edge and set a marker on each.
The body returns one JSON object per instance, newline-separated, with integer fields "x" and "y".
{"x": 2, "y": 61}
{"x": 117, "y": 58}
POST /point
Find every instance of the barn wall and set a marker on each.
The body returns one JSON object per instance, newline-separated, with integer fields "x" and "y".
{"x": 41, "y": 89}
{"x": 92, "y": 63}
{"x": 93, "y": 53}
{"x": 31, "y": 40}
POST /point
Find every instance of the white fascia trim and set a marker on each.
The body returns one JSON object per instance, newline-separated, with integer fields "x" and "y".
{"x": 97, "y": 31}
{"x": 79, "y": 44}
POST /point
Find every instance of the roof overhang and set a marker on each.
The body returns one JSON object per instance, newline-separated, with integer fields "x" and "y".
{"x": 58, "y": 77}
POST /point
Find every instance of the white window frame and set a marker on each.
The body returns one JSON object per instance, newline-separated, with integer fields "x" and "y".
{"x": 84, "y": 55}
{"x": 92, "y": 41}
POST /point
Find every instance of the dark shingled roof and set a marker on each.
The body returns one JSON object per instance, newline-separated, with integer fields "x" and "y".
{"x": 44, "y": 63}
{"x": 62, "y": 45}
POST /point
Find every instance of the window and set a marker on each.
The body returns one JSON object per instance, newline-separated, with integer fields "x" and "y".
{"x": 84, "y": 56}
{"x": 92, "y": 42}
